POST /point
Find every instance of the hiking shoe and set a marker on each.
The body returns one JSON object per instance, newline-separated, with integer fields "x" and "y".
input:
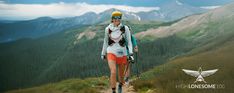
{"x": 126, "y": 80}
{"x": 120, "y": 88}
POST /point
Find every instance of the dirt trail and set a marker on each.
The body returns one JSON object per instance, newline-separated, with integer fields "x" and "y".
{"x": 126, "y": 89}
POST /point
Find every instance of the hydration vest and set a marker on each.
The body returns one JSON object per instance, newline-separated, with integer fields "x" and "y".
{"x": 122, "y": 40}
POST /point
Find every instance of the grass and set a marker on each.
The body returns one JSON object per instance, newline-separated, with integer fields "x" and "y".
{"x": 164, "y": 78}
{"x": 89, "y": 85}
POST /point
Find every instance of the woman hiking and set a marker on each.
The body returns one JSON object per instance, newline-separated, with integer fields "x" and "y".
{"x": 117, "y": 38}
{"x": 128, "y": 68}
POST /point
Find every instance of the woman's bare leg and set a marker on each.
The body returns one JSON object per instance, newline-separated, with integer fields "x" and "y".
{"x": 121, "y": 68}
{"x": 112, "y": 66}
{"x": 128, "y": 70}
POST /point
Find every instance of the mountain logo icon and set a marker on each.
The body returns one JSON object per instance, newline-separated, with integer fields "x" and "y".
{"x": 200, "y": 74}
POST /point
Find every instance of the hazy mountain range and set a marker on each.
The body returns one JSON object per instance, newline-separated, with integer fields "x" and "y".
{"x": 14, "y": 30}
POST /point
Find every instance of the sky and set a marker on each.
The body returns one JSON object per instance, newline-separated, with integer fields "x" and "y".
{"x": 23, "y": 10}
{"x": 145, "y": 3}
{"x": 31, "y": 9}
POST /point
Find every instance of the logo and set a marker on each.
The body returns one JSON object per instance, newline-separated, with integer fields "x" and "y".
{"x": 200, "y": 74}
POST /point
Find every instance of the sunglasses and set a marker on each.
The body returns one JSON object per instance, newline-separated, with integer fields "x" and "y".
{"x": 116, "y": 17}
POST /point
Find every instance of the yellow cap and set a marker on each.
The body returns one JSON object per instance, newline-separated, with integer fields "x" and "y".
{"x": 116, "y": 14}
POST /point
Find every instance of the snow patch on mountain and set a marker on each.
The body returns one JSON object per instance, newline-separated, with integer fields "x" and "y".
{"x": 209, "y": 7}
{"x": 138, "y": 17}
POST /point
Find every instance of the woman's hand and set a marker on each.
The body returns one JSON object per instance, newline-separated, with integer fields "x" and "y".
{"x": 103, "y": 57}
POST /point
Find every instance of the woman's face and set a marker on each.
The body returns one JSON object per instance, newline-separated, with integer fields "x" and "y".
{"x": 116, "y": 22}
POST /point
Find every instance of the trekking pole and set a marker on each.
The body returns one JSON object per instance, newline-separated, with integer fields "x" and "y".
{"x": 126, "y": 69}
{"x": 137, "y": 65}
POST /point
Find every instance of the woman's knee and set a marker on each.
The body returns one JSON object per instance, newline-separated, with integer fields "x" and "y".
{"x": 112, "y": 66}
{"x": 113, "y": 71}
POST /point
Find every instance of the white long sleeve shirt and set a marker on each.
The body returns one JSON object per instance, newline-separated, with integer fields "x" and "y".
{"x": 115, "y": 48}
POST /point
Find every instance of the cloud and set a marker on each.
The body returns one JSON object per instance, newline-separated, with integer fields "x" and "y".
{"x": 58, "y": 10}
{"x": 209, "y": 7}
{"x": 178, "y": 2}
